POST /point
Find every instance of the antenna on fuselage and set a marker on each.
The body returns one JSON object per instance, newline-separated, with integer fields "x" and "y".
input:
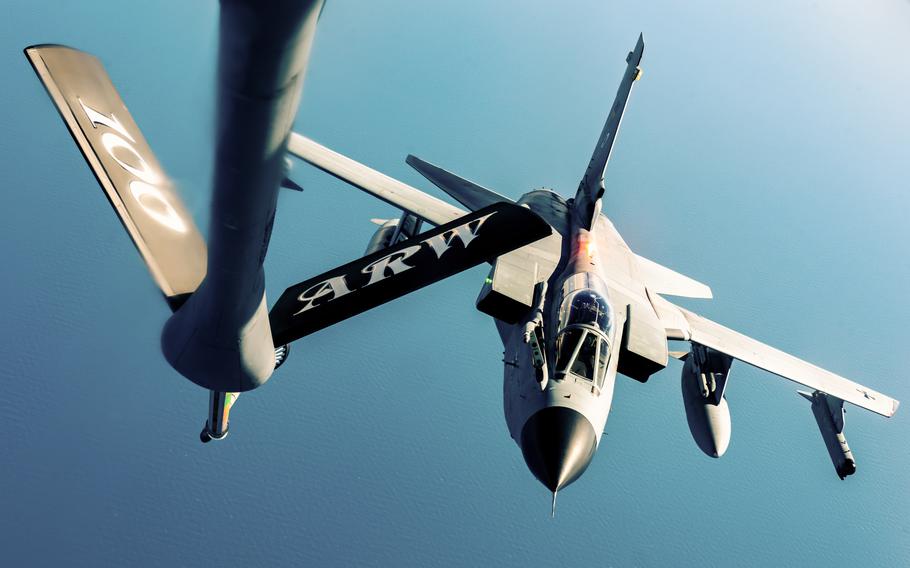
{"x": 553, "y": 508}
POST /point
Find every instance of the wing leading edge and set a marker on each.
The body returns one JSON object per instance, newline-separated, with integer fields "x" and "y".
{"x": 710, "y": 334}
{"x": 390, "y": 190}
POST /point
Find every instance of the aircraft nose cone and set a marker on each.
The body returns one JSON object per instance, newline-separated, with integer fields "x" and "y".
{"x": 558, "y": 444}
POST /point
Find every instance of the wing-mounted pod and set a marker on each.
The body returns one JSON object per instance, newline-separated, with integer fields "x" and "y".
{"x": 829, "y": 414}
{"x": 704, "y": 380}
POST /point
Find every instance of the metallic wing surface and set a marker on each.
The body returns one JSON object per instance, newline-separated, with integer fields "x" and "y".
{"x": 662, "y": 280}
{"x": 535, "y": 261}
{"x": 710, "y": 334}
{"x": 390, "y": 190}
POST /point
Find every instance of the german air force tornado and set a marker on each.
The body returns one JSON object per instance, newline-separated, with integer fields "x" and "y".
{"x": 573, "y": 305}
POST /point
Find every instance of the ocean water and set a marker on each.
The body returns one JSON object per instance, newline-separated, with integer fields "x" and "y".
{"x": 764, "y": 152}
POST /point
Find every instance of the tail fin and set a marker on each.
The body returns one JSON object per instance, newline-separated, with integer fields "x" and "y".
{"x": 591, "y": 187}
{"x": 466, "y": 192}
{"x": 136, "y": 185}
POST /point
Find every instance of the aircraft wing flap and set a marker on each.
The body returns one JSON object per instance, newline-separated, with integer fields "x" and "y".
{"x": 748, "y": 350}
{"x": 388, "y": 189}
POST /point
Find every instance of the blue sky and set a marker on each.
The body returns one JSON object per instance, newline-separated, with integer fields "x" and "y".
{"x": 764, "y": 152}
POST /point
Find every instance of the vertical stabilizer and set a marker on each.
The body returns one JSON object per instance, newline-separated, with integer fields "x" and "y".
{"x": 591, "y": 188}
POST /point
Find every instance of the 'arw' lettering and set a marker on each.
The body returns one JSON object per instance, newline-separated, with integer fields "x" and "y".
{"x": 465, "y": 233}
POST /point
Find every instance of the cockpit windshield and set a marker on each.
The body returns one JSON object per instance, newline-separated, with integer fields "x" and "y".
{"x": 587, "y": 307}
{"x": 585, "y": 329}
{"x": 583, "y": 365}
{"x": 583, "y": 353}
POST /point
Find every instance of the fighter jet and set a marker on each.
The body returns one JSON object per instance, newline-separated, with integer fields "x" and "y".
{"x": 220, "y": 335}
{"x": 578, "y": 307}
{"x": 572, "y": 303}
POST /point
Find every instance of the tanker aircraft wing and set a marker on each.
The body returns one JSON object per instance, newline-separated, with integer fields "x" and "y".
{"x": 681, "y": 324}
{"x": 402, "y": 268}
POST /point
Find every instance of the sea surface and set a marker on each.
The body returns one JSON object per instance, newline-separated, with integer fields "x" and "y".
{"x": 764, "y": 152}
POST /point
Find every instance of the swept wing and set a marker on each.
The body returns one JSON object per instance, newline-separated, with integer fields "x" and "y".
{"x": 698, "y": 329}
{"x": 390, "y": 190}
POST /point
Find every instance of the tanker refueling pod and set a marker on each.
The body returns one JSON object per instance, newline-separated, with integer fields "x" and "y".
{"x": 829, "y": 413}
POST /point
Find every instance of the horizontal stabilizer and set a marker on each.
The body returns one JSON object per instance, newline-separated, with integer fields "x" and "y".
{"x": 390, "y": 273}
{"x": 466, "y": 192}
{"x": 662, "y": 280}
{"x": 136, "y": 185}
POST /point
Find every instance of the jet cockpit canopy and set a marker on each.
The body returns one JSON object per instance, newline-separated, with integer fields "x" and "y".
{"x": 586, "y": 329}
{"x": 587, "y": 307}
